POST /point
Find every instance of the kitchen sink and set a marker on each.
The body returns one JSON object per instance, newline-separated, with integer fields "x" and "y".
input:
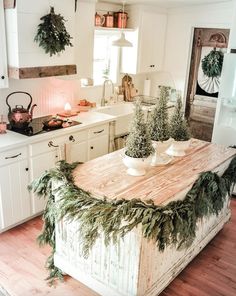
{"x": 117, "y": 109}
{"x": 122, "y": 113}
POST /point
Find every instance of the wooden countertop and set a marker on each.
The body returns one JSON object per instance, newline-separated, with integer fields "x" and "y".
{"x": 106, "y": 175}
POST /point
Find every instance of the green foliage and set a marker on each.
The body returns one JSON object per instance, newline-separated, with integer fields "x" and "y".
{"x": 158, "y": 120}
{"x": 138, "y": 143}
{"x": 52, "y": 35}
{"x": 179, "y": 130}
{"x": 212, "y": 63}
{"x": 172, "y": 224}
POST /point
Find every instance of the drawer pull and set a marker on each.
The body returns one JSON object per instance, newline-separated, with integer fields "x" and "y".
{"x": 14, "y": 156}
{"x": 91, "y": 147}
{"x": 50, "y": 144}
{"x": 99, "y": 132}
{"x": 71, "y": 138}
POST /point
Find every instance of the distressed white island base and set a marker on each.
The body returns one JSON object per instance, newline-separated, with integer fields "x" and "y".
{"x": 135, "y": 266}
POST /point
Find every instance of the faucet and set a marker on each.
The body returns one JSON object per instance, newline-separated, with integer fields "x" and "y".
{"x": 106, "y": 81}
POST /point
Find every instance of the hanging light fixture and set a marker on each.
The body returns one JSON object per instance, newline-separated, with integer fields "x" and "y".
{"x": 122, "y": 42}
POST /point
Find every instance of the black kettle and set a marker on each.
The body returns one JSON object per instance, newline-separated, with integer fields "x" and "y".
{"x": 19, "y": 117}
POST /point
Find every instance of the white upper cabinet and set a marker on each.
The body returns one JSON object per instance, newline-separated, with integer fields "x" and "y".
{"x": 3, "y": 53}
{"x": 21, "y": 26}
{"x": 85, "y": 38}
{"x": 148, "y": 40}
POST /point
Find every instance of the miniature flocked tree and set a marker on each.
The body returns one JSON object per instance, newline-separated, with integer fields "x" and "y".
{"x": 158, "y": 120}
{"x": 179, "y": 130}
{"x": 138, "y": 143}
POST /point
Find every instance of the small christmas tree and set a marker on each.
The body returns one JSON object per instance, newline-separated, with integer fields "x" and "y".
{"x": 138, "y": 143}
{"x": 158, "y": 121}
{"x": 179, "y": 130}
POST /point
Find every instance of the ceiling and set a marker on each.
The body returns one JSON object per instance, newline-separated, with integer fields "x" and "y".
{"x": 166, "y": 3}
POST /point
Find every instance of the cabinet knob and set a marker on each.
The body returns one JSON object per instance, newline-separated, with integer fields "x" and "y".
{"x": 2, "y": 77}
{"x": 71, "y": 138}
{"x": 91, "y": 147}
{"x": 27, "y": 169}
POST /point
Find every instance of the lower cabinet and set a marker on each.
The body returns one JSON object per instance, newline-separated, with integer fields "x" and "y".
{"x": 98, "y": 146}
{"x": 19, "y": 167}
{"x": 38, "y": 165}
{"x": 14, "y": 196}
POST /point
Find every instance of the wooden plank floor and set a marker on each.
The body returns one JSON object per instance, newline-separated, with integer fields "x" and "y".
{"x": 22, "y": 273}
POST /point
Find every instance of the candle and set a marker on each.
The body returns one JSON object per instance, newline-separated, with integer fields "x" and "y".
{"x": 67, "y": 108}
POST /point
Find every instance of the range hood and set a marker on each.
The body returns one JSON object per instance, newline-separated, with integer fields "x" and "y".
{"x": 25, "y": 58}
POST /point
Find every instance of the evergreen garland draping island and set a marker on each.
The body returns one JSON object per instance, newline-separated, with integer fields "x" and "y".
{"x": 125, "y": 235}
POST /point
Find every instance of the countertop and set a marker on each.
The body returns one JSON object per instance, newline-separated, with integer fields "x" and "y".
{"x": 12, "y": 140}
{"x": 108, "y": 177}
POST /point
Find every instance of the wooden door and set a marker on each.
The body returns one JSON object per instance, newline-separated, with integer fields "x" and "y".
{"x": 200, "y": 109}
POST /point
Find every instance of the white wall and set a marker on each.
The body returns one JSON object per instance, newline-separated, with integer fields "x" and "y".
{"x": 180, "y": 33}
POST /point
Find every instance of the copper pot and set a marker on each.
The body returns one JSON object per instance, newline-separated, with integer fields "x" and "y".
{"x": 109, "y": 20}
{"x": 121, "y": 19}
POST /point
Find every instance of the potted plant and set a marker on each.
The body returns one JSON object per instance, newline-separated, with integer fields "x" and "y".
{"x": 179, "y": 131}
{"x": 159, "y": 128}
{"x": 138, "y": 145}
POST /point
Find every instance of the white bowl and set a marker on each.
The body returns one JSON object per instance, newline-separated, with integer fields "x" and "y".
{"x": 136, "y": 166}
{"x": 178, "y": 148}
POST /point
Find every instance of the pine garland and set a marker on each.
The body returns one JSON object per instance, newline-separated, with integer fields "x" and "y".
{"x": 212, "y": 63}
{"x": 52, "y": 35}
{"x": 173, "y": 224}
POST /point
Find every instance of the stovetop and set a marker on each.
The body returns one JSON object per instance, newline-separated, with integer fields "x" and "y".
{"x": 36, "y": 126}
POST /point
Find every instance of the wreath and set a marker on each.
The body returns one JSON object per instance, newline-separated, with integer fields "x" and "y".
{"x": 52, "y": 35}
{"x": 212, "y": 63}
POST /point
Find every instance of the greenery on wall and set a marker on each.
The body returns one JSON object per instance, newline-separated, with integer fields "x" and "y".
{"x": 212, "y": 63}
{"x": 172, "y": 224}
{"x": 52, "y": 35}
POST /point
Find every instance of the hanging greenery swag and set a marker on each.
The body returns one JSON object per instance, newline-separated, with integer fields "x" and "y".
{"x": 212, "y": 63}
{"x": 52, "y": 35}
{"x": 174, "y": 223}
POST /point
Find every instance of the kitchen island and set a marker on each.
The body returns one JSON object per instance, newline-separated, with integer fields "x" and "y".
{"x": 135, "y": 265}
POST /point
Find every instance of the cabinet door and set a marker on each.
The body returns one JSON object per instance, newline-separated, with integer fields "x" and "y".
{"x": 3, "y": 55}
{"x": 98, "y": 146}
{"x": 152, "y": 42}
{"x": 38, "y": 165}
{"x": 148, "y": 41}
{"x": 14, "y": 195}
{"x": 77, "y": 152}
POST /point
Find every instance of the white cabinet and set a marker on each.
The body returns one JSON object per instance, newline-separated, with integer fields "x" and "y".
{"x": 77, "y": 147}
{"x": 43, "y": 156}
{"x": 98, "y": 146}
{"x": 14, "y": 179}
{"x": 3, "y": 53}
{"x": 84, "y": 38}
{"x": 98, "y": 141}
{"x": 23, "y": 52}
{"x": 148, "y": 40}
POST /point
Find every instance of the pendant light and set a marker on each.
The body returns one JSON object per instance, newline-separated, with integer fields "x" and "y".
{"x": 122, "y": 42}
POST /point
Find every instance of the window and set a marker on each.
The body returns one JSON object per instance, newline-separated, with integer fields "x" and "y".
{"x": 105, "y": 57}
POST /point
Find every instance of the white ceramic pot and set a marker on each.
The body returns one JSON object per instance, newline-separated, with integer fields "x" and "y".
{"x": 160, "y": 157}
{"x": 178, "y": 148}
{"x": 136, "y": 166}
